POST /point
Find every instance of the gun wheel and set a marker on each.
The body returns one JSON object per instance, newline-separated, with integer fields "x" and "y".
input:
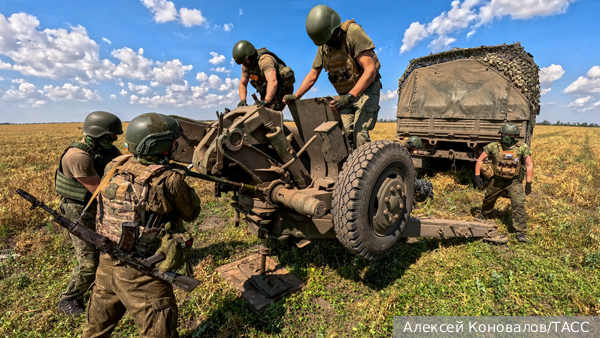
{"x": 373, "y": 198}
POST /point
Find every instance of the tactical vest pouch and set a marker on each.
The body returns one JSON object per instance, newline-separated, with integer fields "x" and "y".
{"x": 287, "y": 76}
{"x": 522, "y": 173}
{"x": 176, "y": 247}
{"x": 70, "y": 188}
{"x": 507, "y": 164}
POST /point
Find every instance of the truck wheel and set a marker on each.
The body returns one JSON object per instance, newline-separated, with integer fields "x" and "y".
{"x": 373, "y": 198}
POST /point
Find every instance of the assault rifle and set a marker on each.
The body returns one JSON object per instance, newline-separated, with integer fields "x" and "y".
{"x": 103, "y": 244}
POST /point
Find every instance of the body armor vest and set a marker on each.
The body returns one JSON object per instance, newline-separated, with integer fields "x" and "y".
{"x": 342, "y": 69}
{"x": 507, "y": 164}
{"x": 71, "y": 188}
{"x": 122, "y": 207}
{"x": 285, "y": 75}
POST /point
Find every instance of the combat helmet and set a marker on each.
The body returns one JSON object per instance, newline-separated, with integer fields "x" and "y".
{"x": 242, "y": 50}
{"x": 509, "y": 129}
{"x": 101, "y": 123}
{"x": 152, "y": 134}
{"x": 321, "y": 22}
{"x": 415, "y": 141}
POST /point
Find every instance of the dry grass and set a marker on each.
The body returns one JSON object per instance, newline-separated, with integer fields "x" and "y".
{"x": 555, "y": 274}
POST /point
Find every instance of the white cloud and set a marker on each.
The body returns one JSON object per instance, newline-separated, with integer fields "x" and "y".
{"x": 221, "y": 70}
{"x": 470, "y": 14}
{"x": 551, "y": 74}
{"x": 389, "y": 95}
{"x": 164, "y": 11}
{"x": 586, "y": 84}
{"x": 216, "y": 58}
{"x": 123, "y": 92}
{"x": 215, "y": 81}
{"x": 548, "y": 75}
{"x": 201, "y": 77}
{"x": 191, "y": 17}
{"x": 51, "y": 53}
{"x": 107, "y": 40}
{"x": 594, "y": 72}
{"x": 140, "y": 89}
{"x": 113, "y": 96}
{"x": 241, "y": 12}
{"x": 229, "y": 85}
{"x": 71, "y": 92}
{"x": 18, "y": 81}
{"x": 228, "y": 27}
{"x": 135, "y": 66}
{"x": 133, "y": 99}
{"x": 580, "y": 102}
{"x": 232, "y": 62}
{"x": 592, "y": 106}
{"x": 5, "y": 65}
{"x": 1, "y": 78}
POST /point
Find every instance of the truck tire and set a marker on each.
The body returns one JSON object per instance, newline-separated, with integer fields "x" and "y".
{"x": 369, "y": 211}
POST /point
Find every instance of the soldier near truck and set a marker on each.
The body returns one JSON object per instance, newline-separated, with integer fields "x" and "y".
{"x": 266, "y": 72}
{"x": 142, "y": 207}
{"x": 77, "y": 177}
{"x": 511, "y": 162}
{"x": 348, "y": 56}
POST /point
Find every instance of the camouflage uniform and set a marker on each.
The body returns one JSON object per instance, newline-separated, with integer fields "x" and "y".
{"x": 119, "y": 288}
{"x": 74, "y": 196}
{"x": 256, "y": 75}
{"x": 513, "y": 187}
{"x": 362, "y": 116}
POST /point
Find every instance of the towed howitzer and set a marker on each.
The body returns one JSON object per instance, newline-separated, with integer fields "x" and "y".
{"x": 105, "y": 245}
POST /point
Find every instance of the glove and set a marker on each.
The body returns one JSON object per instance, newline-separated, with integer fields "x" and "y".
{"x": 478, "y": 181}
{"x": 265, "y": 103}
{"x": 341, "y": 101}
{"x": 527, "y": 188}
{"x": 242, "y": 103}
{"x": 289, "y": 98}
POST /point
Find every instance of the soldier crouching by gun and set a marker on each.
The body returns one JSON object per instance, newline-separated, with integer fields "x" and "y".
{"x": 423, "y": 188}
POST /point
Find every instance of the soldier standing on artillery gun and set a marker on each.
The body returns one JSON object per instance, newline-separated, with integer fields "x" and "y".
{"x": 348, "y": 55}
{"x": 76, "y": 179}
{"x": 142, "y": 207}
{"x": 266, "y": 72}
{"x": 508, "y": 158}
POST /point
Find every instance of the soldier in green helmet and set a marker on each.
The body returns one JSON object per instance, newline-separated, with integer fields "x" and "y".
{"x": 266, "y": 72}
{"x": 348, "y": 56}
{"x": 77, "y": 177}
{"x": 412, "y": 143}
{"x": 511, "y": 162}
{"x": 142, "y": 207}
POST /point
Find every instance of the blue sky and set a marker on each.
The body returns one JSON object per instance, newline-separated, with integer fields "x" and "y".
{"x": 60, "y": 60}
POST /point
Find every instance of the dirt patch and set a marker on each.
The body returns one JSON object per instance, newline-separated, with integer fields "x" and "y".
{"x": 211, "y": 223}
{"x": 323, "y": 304}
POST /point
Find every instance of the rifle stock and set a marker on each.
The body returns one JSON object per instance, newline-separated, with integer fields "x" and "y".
{"x": 104, "y": 244}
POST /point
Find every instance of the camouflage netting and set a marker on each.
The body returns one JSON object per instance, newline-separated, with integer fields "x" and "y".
{"x": 510, "y": 61}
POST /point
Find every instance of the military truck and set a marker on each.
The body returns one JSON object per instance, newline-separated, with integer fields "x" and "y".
{"x": 456, "y": 101}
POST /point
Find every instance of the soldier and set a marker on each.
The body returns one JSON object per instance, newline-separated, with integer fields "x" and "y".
{"x": 77, "y": 178}
{"x": 412, "y": 143}
{"x": 266, "y": 72}
{"x": 508, "y": 157}
{"x": 348, "y": 55}
{"x": 142, "y": 207}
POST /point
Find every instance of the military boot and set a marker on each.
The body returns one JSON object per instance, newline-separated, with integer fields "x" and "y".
{"x": 521, "y": 238}
{"x": 71, "y": 307}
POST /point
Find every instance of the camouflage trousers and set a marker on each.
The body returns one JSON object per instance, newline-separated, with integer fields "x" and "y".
{"x": 514, "y": 189}
{"x": 84, "y": 272}
{"x": 119, "y": 288}
{"x": 362, "y": 117}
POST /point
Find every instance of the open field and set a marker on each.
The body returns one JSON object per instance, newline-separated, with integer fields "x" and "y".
{"x": 556, "y": 273}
